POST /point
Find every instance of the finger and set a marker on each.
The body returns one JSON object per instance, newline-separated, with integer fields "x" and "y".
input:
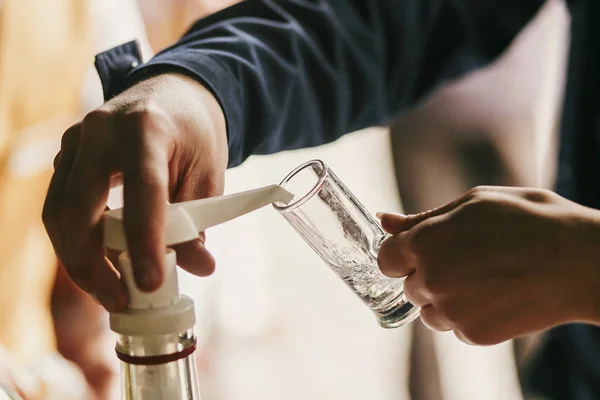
{"x": 396, "y": 223}
{"x": 193, "y": 256}
{"x": 145, "y": 196}
{"x": 52, "y": 205}
{"x": 396, "y": 258}
{"x": 433, "y": 319}
{"x": 112, "y": 255}
{"x": 413, "y": 290}
{"x": 84, "y": 201}
{"x": 463, "y": 338}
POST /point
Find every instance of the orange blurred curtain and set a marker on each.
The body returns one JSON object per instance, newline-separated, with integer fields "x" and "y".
{"x": 45, "y": 50}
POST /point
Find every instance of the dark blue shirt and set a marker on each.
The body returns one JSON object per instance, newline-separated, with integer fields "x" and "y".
{"x": 300, "y": 73}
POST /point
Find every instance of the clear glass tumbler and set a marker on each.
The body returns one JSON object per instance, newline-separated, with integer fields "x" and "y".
{"x": 347, "y": 237}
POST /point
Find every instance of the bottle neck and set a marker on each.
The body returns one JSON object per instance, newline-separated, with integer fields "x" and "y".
{"x": 158, "y": 366}
{"x": 152, "y": 349}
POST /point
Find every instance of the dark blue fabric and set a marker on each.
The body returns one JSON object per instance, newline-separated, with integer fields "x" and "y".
{"x": 299, "y": 73}
{"x": 569, "y": 366}
{"x": 114, "y": 65}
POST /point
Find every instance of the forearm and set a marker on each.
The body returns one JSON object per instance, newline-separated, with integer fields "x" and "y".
{"x": 584, "y": 244}
{"x": 292, "y": 74}
{"x": 81, "y": 332}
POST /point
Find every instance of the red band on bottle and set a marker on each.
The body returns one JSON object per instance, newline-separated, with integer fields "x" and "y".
{"x": 158, "y": 359}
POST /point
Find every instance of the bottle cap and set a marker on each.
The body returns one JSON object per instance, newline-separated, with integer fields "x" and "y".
{"x": 163, "y": 311}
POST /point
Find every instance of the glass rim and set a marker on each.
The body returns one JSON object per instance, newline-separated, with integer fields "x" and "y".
{"x": 309, "y": 194}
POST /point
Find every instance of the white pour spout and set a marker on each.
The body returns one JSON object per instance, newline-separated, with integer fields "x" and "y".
{"x": 185, "y": 220}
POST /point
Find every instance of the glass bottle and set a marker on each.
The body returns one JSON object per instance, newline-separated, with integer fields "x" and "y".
{"x": 156, "y": 339}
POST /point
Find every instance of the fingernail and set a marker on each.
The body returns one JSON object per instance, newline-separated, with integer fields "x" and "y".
{"x": 391, "y": 219}
{"x": 381, "y": 215}
{"x": 392, "y": 222}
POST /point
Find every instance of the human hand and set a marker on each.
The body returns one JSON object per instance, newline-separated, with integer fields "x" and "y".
{"x": 498, "y": 263}
{"x": 15, "y": 381}
{"x": 83, "y": 335}
{"x": 43, "y": 378}
{"x": 165, "y": 140}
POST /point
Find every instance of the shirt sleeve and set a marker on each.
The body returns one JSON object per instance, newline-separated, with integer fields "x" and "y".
{"x": 301, "y": 73}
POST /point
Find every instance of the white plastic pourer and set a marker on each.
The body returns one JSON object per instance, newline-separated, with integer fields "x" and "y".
{"x": 164, "y": 296}
{"x": 165, "y": 310}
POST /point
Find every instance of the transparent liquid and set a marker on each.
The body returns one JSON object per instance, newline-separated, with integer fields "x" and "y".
{"x": 346, "y": 236}
{"x": 383, "y": 295}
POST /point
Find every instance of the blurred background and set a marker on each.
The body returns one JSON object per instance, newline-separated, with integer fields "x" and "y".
{"x": 273, "y": 322}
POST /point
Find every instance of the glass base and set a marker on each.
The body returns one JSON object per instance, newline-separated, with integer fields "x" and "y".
{"x": 397, "y": 314}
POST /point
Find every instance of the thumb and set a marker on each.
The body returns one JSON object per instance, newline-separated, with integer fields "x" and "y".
{"x": 395, "y": 223}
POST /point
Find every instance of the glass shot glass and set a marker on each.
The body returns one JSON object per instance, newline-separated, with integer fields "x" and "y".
{"x": 347, "y": 237}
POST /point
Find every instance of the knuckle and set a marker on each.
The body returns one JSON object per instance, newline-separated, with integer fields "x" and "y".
{"x": 433, "y": 283}
{"x": 423, "y": 236}
{"x": 480, "y": 195}
{"x": 97, "y": 130}
{"x": 68, "y": 142}
{"x": 147, "y": 117}
{"x": 453, "y": 314}
{"x": 480, "y": 203}
{"x": 145, "y": 130}
{"x": 477, "y": 336}
{"x": 96, "y": 118}
{"x": 431, "y": 317}
{"x": 410, "y": 290}
{"x": 473, "y": 193}
{"x": 540, "y": 195}
{"x": 480, "y": 190}
{"x": 71, "y": 134}
{"x": 427, "y": 314}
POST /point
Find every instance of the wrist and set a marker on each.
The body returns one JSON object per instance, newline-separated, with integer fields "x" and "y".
{"x": 193, "y": 102}
{"x": 207, "y": 109}
{"x": 585, "y": 249}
